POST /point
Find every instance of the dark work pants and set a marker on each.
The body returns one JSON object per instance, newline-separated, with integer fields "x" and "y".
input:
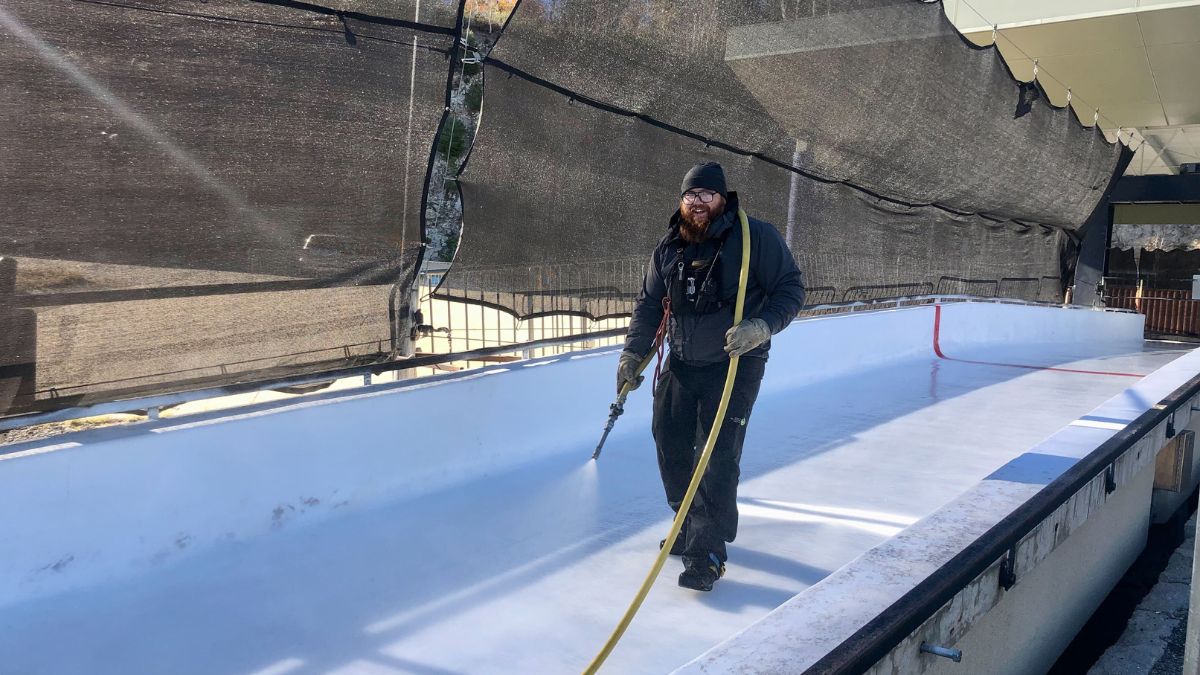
{"x": 684, "y": 406}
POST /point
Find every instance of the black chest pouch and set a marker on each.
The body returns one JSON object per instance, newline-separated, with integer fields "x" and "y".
{"x": 695, "y": 283}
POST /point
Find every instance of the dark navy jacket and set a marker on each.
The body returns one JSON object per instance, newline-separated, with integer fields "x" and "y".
{"x": 774, "y": 292}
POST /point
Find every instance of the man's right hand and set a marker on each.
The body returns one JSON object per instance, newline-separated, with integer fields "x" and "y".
{"x": 627, "y": 371}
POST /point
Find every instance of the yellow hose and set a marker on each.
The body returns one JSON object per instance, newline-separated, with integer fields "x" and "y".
{"x": 688, "y": 496}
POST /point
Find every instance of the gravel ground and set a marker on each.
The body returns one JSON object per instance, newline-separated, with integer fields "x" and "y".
{"x": 1171, "y": 662}
{"x": 1153, "y": 641}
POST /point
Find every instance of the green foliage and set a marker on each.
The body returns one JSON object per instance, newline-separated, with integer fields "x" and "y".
{"x": 448, "y": 249}
{"x": 474, "y": 97}
{"x": 452, "y": 143}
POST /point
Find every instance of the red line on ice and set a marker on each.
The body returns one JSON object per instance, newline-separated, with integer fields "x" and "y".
{"x": 937, "y": 349}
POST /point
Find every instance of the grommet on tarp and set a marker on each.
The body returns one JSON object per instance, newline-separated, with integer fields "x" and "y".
{"x": 1035, "y": 68}
{"x": 954, "y": 655}
{"x": 1068, "y": 95}
{"x": 995, "y": 30}
{"x": 1096, "y": 117}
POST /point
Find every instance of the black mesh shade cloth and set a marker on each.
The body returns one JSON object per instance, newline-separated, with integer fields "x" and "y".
{"x": 197, "y": 191}
{"x": 885, "y": 94}
{"x": 212, "y": 191}
{"x": 573, "y": 201}
{"x": 882, "y": 144}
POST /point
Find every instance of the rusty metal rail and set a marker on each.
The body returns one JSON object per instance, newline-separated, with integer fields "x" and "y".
{"x": 1168, "y": 311}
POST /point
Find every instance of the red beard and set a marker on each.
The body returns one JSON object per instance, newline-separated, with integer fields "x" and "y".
{"x": 693, "y": 227}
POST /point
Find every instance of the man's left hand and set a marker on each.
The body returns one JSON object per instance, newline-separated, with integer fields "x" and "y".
{"x": 745, "y": 336}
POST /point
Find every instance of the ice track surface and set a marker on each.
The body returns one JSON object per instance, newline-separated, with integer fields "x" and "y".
{"x": 527, "y": 568}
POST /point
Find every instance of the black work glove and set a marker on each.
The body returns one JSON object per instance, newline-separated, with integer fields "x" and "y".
{"x": 627, "y": 371}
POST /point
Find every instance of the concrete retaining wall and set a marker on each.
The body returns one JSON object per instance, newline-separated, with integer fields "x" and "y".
{"x": 1027, "y": 629}
{"x": 1021, "y": 630}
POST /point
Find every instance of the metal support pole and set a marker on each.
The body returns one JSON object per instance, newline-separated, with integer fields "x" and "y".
{"x": 409, "y": 347}
{"x": 793, "y": 194}
{"x": 450, "y": 326}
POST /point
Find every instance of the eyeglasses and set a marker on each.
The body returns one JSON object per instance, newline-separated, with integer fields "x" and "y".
{"x": 704, "y": 197}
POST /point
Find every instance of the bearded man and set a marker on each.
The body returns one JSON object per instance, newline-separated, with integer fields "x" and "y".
{"x": 693, "y": 280}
